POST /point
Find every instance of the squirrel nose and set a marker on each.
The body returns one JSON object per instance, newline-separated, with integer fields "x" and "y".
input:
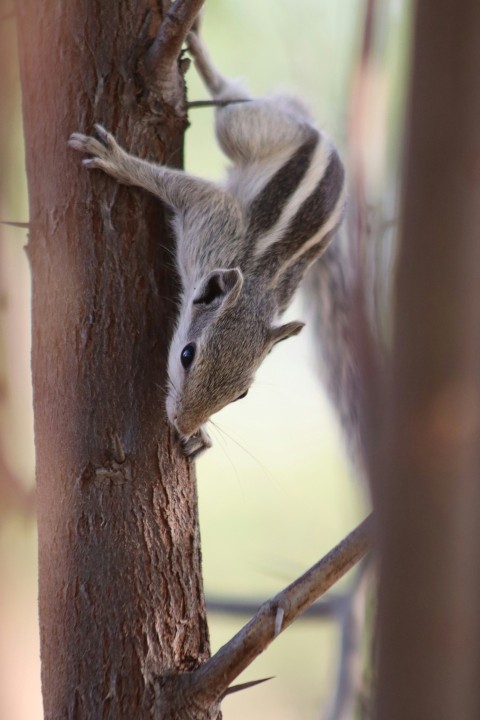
{"x": 175, "y": 424}
{"x": 184, "y": 427}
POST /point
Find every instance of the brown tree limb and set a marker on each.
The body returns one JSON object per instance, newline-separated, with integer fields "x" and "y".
{"x": 120, "y": 589}
{"x": 211, "y": 680}
{"x": 163, "y": 54}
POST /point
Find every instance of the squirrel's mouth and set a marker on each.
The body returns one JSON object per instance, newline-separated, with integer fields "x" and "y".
{"x": 185, "y": 423}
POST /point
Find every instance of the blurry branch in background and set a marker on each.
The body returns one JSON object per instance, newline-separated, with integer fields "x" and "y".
{"x": 364, "y": 337}
{"x": 358, "y": 129}
{"x": 428, "y": 517}
{"x": 212, "y": 679}
{"x": 352, "y": 624}
{"x": 7, "y": 11}
{"x": 324, "y": 609}
{"x": 14, "y": 496}
{"x": 363, "y": 347}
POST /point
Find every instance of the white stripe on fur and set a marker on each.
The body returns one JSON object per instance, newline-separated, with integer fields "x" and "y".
{"x": 312, "y": 177}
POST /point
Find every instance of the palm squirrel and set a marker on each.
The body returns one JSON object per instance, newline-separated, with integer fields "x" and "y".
{"x": 242, "y": 247}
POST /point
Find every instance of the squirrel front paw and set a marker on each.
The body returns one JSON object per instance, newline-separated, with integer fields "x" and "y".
{"x": 107, "y": 153}
{"x": 196, "y": 444}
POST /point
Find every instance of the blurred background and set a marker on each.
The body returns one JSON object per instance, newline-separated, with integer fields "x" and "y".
{"x": 276, "y": 491}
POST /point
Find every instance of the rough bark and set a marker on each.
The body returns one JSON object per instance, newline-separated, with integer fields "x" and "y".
{"x": 429, "y": 520}
{"x": 121, "y": 597}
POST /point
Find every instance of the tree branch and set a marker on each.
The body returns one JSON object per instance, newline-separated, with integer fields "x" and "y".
{"x": 165, "y": 49}
{"x": 211, "y": 680}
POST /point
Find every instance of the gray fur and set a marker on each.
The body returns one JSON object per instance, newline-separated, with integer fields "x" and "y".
{"x": 330, "y": 295}
{"x": 242, "y": 248}
{"x": 266, "y": 208}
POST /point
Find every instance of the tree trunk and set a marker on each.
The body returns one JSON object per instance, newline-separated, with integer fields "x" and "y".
{"x": 429, "y": 631}
{"x": 121, "y": 597}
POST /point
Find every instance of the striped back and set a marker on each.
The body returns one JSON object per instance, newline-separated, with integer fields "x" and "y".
{"x": 295, "y": 215}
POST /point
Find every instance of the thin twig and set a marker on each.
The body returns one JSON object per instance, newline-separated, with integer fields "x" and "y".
{"x": 215, "y": 103}
{"x": 165, "y": 49}
{"x": 15, "y": 224}
{"x": 211, "y": 680}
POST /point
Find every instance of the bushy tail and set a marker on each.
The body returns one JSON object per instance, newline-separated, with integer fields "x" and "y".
{"x": 331, "y": 295}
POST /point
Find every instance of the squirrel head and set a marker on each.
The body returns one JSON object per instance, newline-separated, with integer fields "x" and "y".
{"x": 223, "y": 335}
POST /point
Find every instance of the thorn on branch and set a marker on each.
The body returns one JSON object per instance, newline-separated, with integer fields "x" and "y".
{"x": 244, "y": 686}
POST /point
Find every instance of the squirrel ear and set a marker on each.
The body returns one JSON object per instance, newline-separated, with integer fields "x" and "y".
{"x": 220, "y": 287}
{"x": 285, "y": 331}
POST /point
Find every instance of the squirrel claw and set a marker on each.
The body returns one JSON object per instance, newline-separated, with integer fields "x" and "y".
{"x": 102, "y": 146}
{"x": 77, "y": 141}
{"x": 103, "y": 136}
{"x": 196, "y": 444}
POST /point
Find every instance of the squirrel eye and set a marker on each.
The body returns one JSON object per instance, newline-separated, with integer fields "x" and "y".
{"x": 187, "y": 355}
{"x": 241, "y": 396}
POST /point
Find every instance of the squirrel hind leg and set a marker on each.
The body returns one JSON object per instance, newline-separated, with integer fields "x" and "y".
{"x": 265, "y": 130}
{"x": 220, "y": 87}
